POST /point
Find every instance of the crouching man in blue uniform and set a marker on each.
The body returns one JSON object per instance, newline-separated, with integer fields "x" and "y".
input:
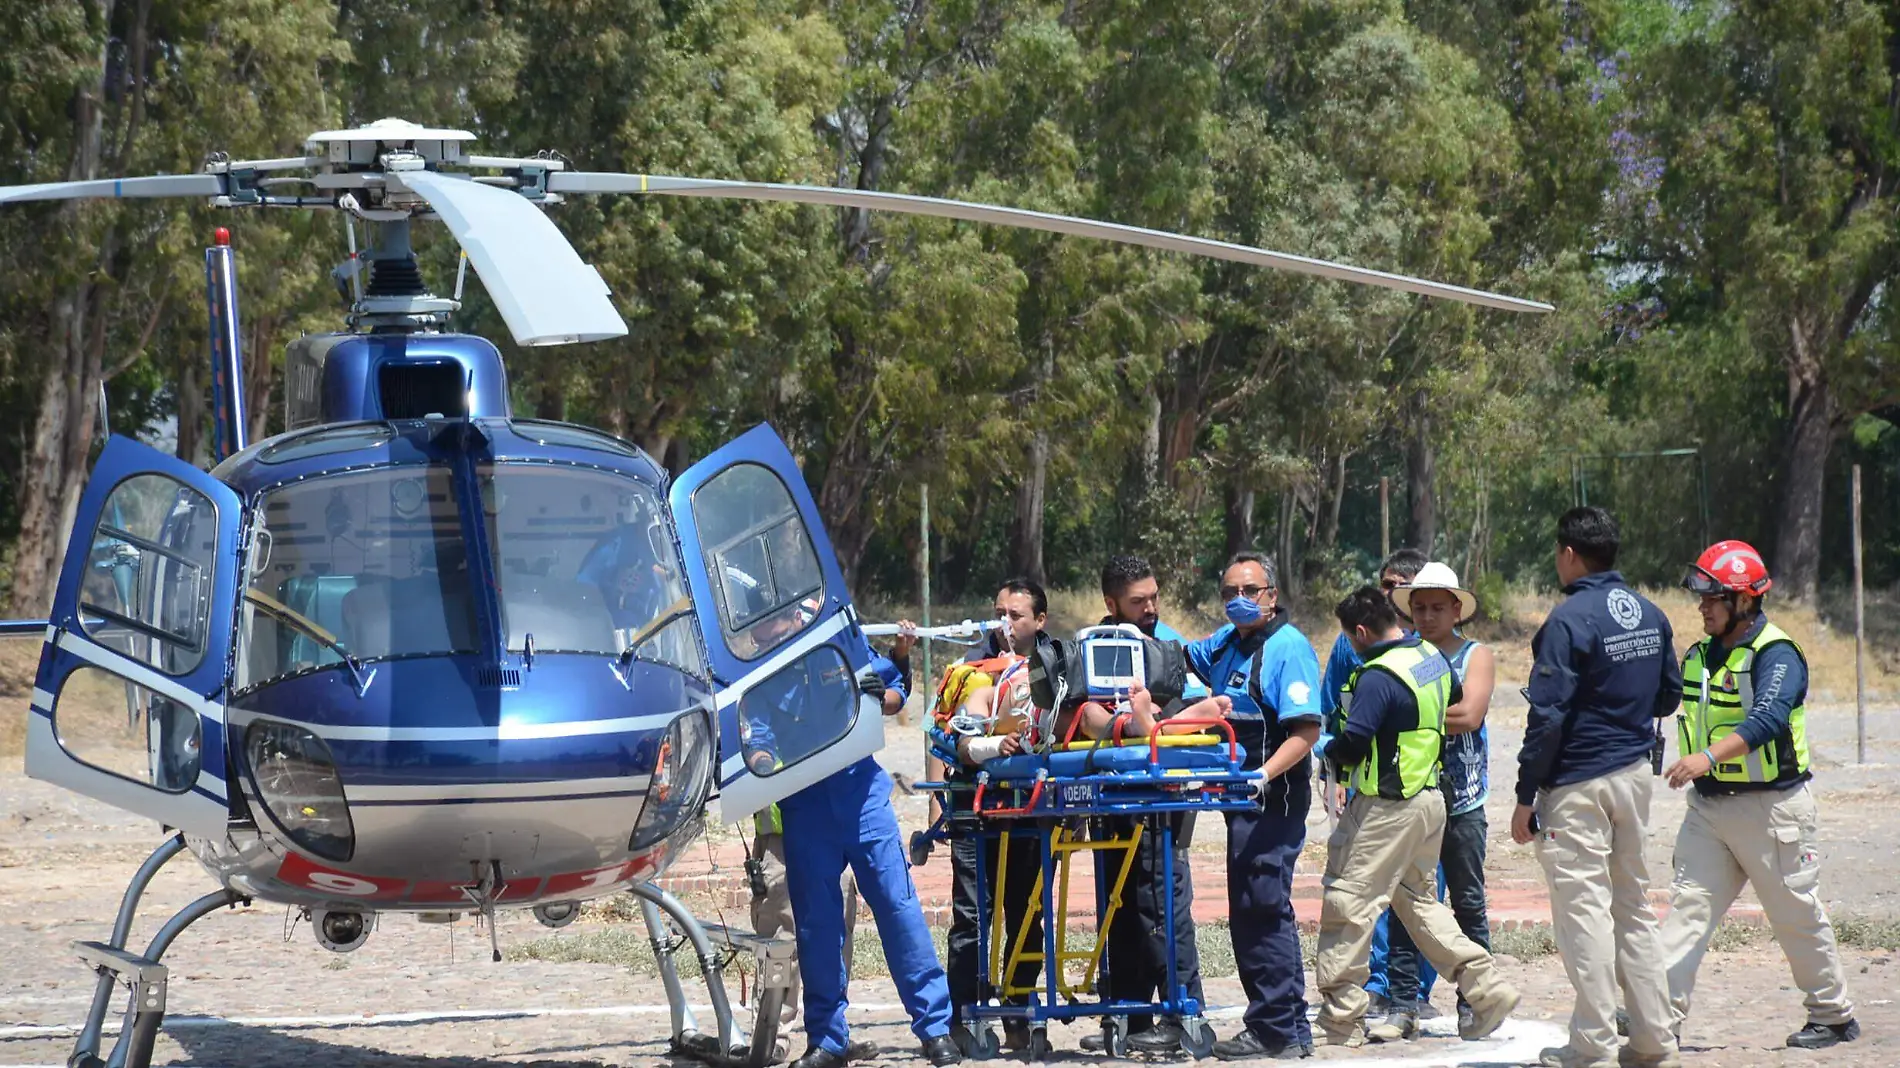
{"x": 847, "y": 819}
{"x": 1268, "y": 669}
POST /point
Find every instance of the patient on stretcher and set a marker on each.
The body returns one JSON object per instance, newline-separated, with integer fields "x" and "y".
{"x": 1095, "y": 721}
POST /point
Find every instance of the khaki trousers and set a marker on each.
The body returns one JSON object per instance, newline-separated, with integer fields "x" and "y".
{"x": 1386, "y": 852}
{"x": 1591, "y": 847}
{"x": 772, "y": 913}
{"x": 1765, "y": 838}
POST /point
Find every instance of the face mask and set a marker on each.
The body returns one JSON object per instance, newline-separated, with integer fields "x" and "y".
{"x": 1243, "y": 610}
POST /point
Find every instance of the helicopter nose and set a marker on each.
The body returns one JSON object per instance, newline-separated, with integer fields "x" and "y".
{"x": 431, "y": 769}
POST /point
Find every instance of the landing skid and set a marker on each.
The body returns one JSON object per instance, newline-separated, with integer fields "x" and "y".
{"x": 146, "y": 978}
{"x": 142, "y": 973}
{"x": 729, "y": 1046}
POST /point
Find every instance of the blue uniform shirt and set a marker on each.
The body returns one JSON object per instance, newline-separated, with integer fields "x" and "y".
{"x": 1604, "y": 670}
{"x": 1340, "y": 664}
{"x": 1288, "y": 674}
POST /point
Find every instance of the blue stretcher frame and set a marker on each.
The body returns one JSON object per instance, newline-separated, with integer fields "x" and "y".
{"x": 1043, "y": 801}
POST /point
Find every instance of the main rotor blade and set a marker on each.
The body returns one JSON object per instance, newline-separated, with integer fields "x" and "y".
{"x": 545, "y": 292}
{"x": 597, "y": 182}
{"x": 162, "y": 185}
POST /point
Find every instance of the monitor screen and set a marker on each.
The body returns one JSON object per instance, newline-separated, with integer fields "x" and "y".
{"x": 1111, "y": 661}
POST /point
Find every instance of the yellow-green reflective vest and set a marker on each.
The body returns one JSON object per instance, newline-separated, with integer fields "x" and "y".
{"x": 1714, "y": 703}
{"x": 768, "y": 821}
{"x": 1404, "y": 758}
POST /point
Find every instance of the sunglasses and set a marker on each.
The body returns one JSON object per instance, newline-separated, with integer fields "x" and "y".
{"x": 1228, "y": 593}
{"x": 1389, "y": 584}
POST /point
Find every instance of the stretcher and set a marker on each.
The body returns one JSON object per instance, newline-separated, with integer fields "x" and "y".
{"x": 1065, "y": 797}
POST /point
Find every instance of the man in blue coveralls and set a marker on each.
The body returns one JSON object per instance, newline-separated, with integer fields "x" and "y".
{"x": 1267, "y": 667}
{"x": 845, "y": 819}
{"x": 1137, "y": 946}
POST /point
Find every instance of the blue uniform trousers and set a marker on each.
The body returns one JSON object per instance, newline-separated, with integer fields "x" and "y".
{"x": 848, "y": 819}
{"x": 1262, "y": 849}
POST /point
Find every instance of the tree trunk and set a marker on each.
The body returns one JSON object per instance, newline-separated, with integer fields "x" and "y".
{"x": 1238, "y": 518}
{"x": 1183, "y": 428}
{"x": 1421, "y": 522}
{"x": 1288, "y": 574}
{"x": 191, "y": 410}
{"x": 258, "y": 377}
{"x": 1331, "y": 537}
{"x": 1150, "y": 436}
{"x": 1810, "y": 434}
{"x": 43, "y": 476}
{"x": 1026, "y": 549}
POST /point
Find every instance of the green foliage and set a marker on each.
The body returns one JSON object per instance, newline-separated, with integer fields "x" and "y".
{"x": 1702, "y": 189}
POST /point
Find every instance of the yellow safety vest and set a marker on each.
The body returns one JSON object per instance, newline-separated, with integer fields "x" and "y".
{"x": 1714, "y": 704}
{"x": 1398, "y": 772}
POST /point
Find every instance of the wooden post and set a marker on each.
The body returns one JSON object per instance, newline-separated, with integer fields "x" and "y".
{"x": 1860, "y": 638}
{"x": 923, "y": 521}
{"x": 1385, "y": 517}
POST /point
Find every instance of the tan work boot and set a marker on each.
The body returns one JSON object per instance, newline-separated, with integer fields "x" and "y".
{"x": 1399, "y": 1025}
{"x": 1352, "y": 1039}
{"x": 1565, "y": 1057}
{"x": 1629, "y": 1058}
{"x": 1489, "y": 1015}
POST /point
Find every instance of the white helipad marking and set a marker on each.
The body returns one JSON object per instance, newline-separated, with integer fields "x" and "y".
{"x": 1517, "y": 1042}
{"x": 182, "y": 1022}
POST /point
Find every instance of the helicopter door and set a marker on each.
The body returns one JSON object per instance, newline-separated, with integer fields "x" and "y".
{"x": 127, "y": 706}
{"x": 781, "y": 636}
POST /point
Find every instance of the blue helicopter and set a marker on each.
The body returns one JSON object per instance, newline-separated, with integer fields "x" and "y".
{"x": 417, "y": 653}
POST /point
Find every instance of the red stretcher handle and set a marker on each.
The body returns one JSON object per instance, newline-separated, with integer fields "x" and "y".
{"x": 1035, "y": 794}
{"x": 1167, "y": 725}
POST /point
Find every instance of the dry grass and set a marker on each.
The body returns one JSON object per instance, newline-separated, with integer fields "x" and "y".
{"x": 1828, "y": 645}
{"x": 19, "y": 660}
{"x": 1826, "y": 634}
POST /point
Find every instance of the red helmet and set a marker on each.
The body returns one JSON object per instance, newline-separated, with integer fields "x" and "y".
{"x": 1728, "y": 567}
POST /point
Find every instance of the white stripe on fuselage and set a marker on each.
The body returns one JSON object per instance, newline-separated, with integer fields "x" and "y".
{"x": 496, "y": 791}
{"x": 505, "y": 732}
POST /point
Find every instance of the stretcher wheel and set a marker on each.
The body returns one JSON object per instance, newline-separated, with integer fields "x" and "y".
{"x": 1039, "y": 1044}
{"x": 1197, "y": 1037}
{"x": 982, "y": 1044}
{"x": 1115, "y": 1036}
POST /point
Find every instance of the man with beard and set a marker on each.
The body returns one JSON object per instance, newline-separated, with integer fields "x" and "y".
{"x": 1137, "y": 968}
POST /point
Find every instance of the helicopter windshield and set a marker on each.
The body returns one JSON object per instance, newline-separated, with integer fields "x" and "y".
{"x": 586, "y": 564}
{"x": 369, "y": 563}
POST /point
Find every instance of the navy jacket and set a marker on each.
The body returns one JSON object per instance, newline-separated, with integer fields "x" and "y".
{"x": 1604, "y": 670}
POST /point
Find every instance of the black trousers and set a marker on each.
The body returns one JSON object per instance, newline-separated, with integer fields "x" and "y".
{"x": 962, "y": 969}
{"x": 1263, "y": 845}
{"x": 1136, "y": 958}
{"x": 1462, "y": 857}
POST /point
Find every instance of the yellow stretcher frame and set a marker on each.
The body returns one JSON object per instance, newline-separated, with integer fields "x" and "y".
{"x": 1064, "y": 843}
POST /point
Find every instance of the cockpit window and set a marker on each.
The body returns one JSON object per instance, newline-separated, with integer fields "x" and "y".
{"x": 324, "y": 442}
{"x": 369, "y": 563}
{"x": 585, "y": 561}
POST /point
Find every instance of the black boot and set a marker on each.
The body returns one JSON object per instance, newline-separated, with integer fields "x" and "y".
{"x": 942, "y": 1051}
{"x": 1821, "y": 1036}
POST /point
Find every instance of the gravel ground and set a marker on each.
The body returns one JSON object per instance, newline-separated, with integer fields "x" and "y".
{"x": 249, "y": 990}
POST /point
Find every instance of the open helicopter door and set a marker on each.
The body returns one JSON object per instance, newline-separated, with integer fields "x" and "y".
{"x": 781, "y": 636}
{"x": 127, "y": 707}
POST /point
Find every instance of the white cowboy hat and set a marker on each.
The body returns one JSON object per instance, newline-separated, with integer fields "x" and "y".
{"x": 1436, "y": 576}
